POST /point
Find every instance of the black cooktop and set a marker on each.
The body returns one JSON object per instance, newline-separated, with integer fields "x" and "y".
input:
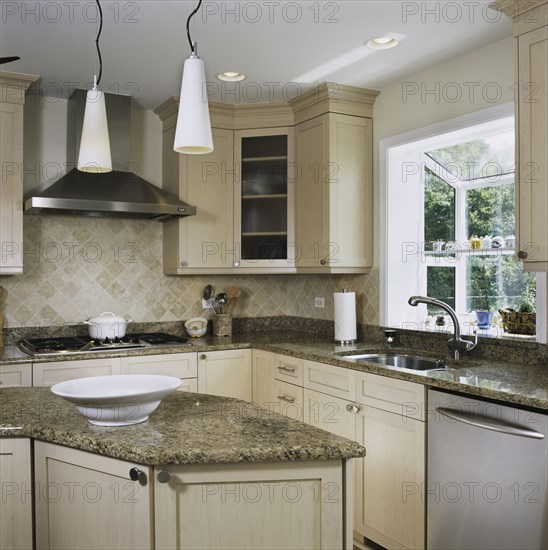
{"x": 77, "y": 344}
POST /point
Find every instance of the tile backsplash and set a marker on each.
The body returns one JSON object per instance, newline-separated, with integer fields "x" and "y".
{"x": 77, "y": 267}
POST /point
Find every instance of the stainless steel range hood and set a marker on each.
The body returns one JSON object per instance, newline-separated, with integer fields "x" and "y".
{"x": 118, "y": 193}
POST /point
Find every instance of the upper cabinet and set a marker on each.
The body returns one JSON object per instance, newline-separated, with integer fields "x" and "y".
{"x": 13, "y": 87}
{"x": 288, "y": 188}
{"x": 531, "y": 37}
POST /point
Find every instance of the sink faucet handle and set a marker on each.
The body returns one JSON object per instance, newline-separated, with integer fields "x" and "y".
{"x": 471, "y": 344}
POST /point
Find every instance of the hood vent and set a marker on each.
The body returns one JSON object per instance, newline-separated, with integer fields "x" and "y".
{"x": 112, "y": 194}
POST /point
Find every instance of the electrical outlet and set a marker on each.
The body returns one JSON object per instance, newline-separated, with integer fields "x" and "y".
{"x": 319, "y": 302}
{"x": 206, "y": 304}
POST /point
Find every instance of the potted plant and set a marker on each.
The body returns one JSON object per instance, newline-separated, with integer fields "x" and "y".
{"x": 522, "y": 321}
{"x": 486, "y": 304}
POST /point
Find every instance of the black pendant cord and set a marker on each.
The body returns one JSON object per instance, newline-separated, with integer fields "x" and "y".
{"x": 188, "y": 25}
{"x": 97, "y": 42}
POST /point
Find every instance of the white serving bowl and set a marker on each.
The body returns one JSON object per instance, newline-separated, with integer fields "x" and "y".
{"x": 118, "y": 400}
{"x": 196, "y": 327}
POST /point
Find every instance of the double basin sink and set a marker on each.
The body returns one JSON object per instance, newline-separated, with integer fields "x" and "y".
{"x": 429, "y": 366}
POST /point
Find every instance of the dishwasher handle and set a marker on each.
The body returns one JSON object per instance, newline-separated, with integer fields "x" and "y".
{"x": 488, "y": 423}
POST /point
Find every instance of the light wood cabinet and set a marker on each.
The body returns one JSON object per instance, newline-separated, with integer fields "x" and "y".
{"x": 16, "y": 375}
{"x": 247, "y": 506}
{"x": 52, "y": 372}
{"x": 532, "y": 134}
{"x": 252, "y": 217}
{"x": 87, "y": 501}
{"x": 334, "y": 194}
{"x": 227, "y": 373}
{"x": 263, "y": 378}
{"x": 13, "y": 87}
{"x": 389, "y": 508}
{"x": 16, "y": 502}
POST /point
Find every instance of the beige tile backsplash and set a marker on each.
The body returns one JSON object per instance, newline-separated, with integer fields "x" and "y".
{"x": 77, "y": 267}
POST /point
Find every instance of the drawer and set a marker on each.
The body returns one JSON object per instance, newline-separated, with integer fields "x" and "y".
{"x": 180, "y": 365}
{"x": 289, "y": 369}
{"x": 389, "y": 394}
{"x": 289, "y": 400}
{"x": 336, "y": 381}
{"x": 48, "y": 374}
{"x": 16, "y": 375}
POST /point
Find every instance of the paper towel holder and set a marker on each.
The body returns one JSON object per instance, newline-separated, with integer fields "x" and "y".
{"x": 345, "y": 342}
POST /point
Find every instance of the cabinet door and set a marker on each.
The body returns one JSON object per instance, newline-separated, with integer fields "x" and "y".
{"x": 251, "y": 506}
{"x": 16, "y": 503}
{"x": 11, "y": 188}
{"x": 389, "y": 503}
{"x": 48, "y": 374}
{"x": 88, "y": 501}
{"x": 264, "y": 200}
{"x": 263, "y": 378}
{"x": 204, "y": 243}
{"x": 227, "y": 373}
{"x": 532, "y": 191}
{"x": 16, "y": 375}
{"x": 332, "y": 414}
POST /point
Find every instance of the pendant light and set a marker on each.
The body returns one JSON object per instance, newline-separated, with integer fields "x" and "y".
{"x": 94, "y": 154}
{"x": 193, "y": 132}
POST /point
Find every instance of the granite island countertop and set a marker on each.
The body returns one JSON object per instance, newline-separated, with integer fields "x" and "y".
{"x": 185, "y": 429}
{"x": 523, "y": 384}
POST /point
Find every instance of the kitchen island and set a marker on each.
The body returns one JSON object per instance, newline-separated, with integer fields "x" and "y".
{"x": 202, "y": 472}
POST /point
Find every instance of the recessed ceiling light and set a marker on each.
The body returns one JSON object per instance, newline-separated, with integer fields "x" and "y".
{"x": 230, "y": 76}
{"x": 382, "y": 43}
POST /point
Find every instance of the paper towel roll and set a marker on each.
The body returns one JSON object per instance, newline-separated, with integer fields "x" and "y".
{"x": 345, "y": 316}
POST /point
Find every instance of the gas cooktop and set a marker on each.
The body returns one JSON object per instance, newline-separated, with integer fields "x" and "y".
{"x": 77, "y": 344}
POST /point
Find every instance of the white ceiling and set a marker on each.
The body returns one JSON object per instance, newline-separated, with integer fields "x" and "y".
{"x": 144, "y": 43}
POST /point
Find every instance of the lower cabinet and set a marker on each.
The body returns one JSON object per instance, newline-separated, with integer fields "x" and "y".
{"x": 53, "y": 372}
{"x": 16, "y": 375}
{"x": 250, "y": 506}
{"x": 263, "y": 378}
{"x": 390, "y": 422}
{"x": 16, "y": 487}
{"x": 86, "y": 501}
{"x": 226, "y": 373}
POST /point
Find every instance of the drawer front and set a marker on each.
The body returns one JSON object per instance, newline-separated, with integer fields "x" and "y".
{"x": 15, "y": 375}
{"x": 289, "y": 369}
{"x": 48, "y": 374}
{"x": 289, "y": 400}
{"x": 389, "y": 394}
{"x": 336, "y": 381}
{"x": 180, "y": 365}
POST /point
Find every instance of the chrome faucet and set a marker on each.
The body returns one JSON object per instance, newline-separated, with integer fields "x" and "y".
{"x": 457, "y": 344}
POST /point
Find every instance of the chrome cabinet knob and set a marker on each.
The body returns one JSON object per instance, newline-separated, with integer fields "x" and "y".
{"x": 203, "y": 356}
{"x": 323, "y": 262}
{"x": 163, "y": 476}
{"x": 184, "y": 264}
{"x": 352, "y": 408}
{"x": 522, "y": 255}
{"x": 236, "y": 264}
{"x": 138, "y": 475}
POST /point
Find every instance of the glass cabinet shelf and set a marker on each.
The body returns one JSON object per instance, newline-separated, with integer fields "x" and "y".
{"x": 471, "y": 252}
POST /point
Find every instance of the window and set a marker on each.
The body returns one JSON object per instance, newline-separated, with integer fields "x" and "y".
{"x": 450, "y": 204}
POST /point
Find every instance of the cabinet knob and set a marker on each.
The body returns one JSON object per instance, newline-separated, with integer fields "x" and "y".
{"x": 323, "y": 262}
{"x": 236, "y": 264}
{"x": 352, "y": 408}
{"x": 137, "y": 475}
{"x": 203, "y": 356}
{"x": 184, "y": 264}
{"x": 522, "y": 255}
{"x": 163, "y": 476}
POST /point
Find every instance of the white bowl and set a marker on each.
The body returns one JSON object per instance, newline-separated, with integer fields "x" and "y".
{"x": 118, "y": 400}
{"x": 196, "y": 327}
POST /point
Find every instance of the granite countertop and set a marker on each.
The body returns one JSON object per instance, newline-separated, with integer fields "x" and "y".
{"x": 523, "y": 384}
{"x": 185, "y": 429}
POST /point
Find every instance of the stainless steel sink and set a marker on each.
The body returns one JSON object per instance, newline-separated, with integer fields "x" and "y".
{"x": 407, "y": 362}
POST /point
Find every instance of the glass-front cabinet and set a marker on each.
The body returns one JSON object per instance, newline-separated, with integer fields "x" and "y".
{"x": 263, "y": 199}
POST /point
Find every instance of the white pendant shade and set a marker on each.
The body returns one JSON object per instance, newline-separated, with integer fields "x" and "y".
{"x": 193, "y": 133}
{"x": 94, "y": 154}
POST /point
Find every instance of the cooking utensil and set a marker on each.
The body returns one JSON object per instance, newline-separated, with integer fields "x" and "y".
{"x": 233, "y": 293}
{"x": 220, "y": 300}
{"x": 107, "y": 325}
{"x": 207, "y": 295}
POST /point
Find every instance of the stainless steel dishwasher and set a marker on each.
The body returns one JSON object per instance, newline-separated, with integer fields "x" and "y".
{"x": 487, "y": 475}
